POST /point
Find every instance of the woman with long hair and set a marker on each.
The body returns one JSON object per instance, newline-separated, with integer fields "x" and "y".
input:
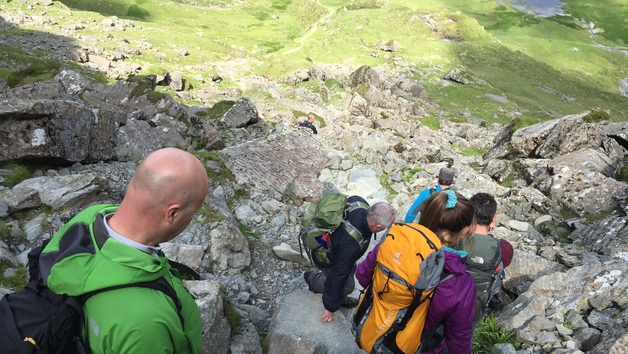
{"x": 449, "y": 322}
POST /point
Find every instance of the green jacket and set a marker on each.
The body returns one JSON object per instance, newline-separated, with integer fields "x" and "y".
{"x": 132, "y": 320}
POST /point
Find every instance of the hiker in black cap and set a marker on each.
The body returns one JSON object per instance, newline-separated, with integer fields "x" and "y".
{"x": 445, "y": 180}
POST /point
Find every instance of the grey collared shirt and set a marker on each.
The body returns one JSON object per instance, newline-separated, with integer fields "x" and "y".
{"x": 151, "y": 250}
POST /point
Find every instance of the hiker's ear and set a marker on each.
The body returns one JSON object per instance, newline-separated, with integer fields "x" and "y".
{"x": 172, "y": 213}
{"x": 494, "y": 222}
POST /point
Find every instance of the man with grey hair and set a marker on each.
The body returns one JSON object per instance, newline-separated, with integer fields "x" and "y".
{"x": 335, "y": 275}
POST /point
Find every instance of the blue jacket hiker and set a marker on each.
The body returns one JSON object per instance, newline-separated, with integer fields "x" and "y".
{"x": 445, "y": 180}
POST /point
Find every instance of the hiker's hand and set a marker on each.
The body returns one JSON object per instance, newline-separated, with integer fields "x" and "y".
{"x": 327, "y": 316}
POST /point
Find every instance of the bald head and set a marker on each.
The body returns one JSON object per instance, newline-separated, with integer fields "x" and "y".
{"x": 168, "y": 187}
{"x": 170, "y": 173}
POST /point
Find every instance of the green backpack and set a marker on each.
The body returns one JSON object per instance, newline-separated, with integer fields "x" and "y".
{"x": 322, "y": 218}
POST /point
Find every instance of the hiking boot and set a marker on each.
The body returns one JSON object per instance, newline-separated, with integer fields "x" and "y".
{"x": 307, "y": 276}
{"x": 349, "y": 303}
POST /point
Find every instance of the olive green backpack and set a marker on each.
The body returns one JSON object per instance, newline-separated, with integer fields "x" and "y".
{"x": 321, "y": 219}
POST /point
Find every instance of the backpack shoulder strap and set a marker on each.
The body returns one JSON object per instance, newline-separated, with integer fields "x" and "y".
{"x": 184, "y": 269}
{"x": 351, "y": 206}
{"x": 348, "y": 227}
{"x": 353, "y": 232}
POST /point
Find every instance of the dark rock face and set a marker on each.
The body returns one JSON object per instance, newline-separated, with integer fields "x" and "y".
{"x": 365, "y": 75}
{"x": 56, "y": 129}
{"x": 242, "y": 113}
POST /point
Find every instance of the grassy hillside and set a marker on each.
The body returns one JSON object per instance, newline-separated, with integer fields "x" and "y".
{"x": 543, "y": 67}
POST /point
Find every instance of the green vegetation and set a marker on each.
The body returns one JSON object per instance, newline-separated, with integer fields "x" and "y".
{"x": 609, "y": 15}
{"x": 523, "y": 122}
{"x": 17, "y": 175}
{"x": 596, "y": 116}
{"x": 223, "y": 175}
{"x": 471, "y": 151}
{"x": 16, "y": 281}
{"x": 488, "y": 333}
{"x": 623, "y": 173}
{"x": 5, "y": 231}
{"x": 234, "y": 318}
{"x": 208, "y": 214}
{"x": 542, "y": 67}
{"x": 254, "y": 237}
{"x": 219, "y": 109}
{"x": 36, "y": 71}
{"x": 431, "y": 122}
{"x": 410, "y": 174}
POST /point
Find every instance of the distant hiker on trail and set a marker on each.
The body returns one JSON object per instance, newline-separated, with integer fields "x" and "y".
{"x": 449, "y": 322}
{"x": 488, "y": 256}
{"x": 107, "y": 245}
{"x": 309, "y": 123}
{"x": 335, "y": 278}
{"x": 445, "y": 180}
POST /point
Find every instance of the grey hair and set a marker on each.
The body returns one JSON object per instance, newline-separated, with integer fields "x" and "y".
{"x": 381, "y": 213}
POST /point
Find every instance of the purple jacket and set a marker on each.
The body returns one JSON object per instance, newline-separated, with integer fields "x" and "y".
{"x": 453, "y": 304}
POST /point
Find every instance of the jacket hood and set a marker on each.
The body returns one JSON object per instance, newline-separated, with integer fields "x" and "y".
{"x": 454, "y": 263}
{"x": 72, "y": 263}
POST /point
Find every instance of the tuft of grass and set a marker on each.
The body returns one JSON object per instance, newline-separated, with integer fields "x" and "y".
{"x": 155, "y": 96}
{"x": 17, "y": 175}
{"x": 413, "y": 171}
{"x": 39, "y": 70}
{"x": 523, "y": 122}
{"x": 144, "y": 84}
{"x": 219, "y": 109}
{"x": 209, "y": 215}
{"x": 623, "y": 174}
{"x": 332, "y": 83}
{"x": 472, "y": 151}
{"x": 488, "y": 333}
{"x": 224, "y": 175}
{"x": 234, "y": 318}
{"x": 431, "y": 122}
{"x": 596, "y": 116}
{"x": 5, "y": 231}
{"x": 254, "y": 237}
{"x": 15, "y": 282}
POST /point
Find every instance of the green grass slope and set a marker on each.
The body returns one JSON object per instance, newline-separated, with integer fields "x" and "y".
{"x": 541, "y": 67}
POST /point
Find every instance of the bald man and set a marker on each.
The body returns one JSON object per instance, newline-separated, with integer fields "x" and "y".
{"x": 113, "y": 245}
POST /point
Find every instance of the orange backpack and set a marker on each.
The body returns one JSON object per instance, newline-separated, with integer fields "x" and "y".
{"x": 392, "y": 309}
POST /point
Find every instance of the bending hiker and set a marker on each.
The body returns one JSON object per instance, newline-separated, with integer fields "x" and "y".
{"x": 445, "y": 180}
{"x": 335, "y": 278}
{"x": 309, "y": 123}
{"x": 107, "y": 245}
{"x": 449, "y": 319}
{"x": 488, "y": 256}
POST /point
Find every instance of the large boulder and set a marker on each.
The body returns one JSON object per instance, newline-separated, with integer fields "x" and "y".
{"x": 242, "y": 113}
{"x": 65, "y": 130}
{"x": 608, "y": 237}
{"x": 526, "y": 140}
{"x": 582, "y": 182}
{"x": 570, "y": 134}
{"x": 296, "y": 328}
{"x": 365, "y": 75}
{"x": 67, "y": 192}
{"x": 278, "y": 161}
